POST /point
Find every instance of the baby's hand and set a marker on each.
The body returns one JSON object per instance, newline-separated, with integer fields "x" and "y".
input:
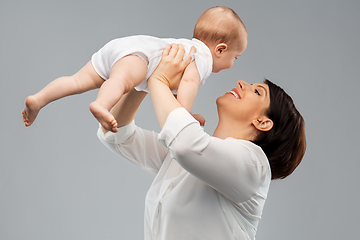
{"x": 200, "y": 119}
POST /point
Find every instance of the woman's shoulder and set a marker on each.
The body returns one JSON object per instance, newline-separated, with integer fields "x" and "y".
{"x": 257, "y": 157}
{"x": 251, "y": 168}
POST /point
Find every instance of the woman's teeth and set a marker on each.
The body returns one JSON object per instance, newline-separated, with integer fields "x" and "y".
{"x": 235, "y": 94}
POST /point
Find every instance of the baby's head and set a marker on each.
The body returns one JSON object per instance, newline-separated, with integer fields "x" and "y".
{"x": 222, "y": 30}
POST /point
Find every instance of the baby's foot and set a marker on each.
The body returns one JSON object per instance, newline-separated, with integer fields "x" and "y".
{"x": 105, "y": 118}
{"x": 31, "y": 110}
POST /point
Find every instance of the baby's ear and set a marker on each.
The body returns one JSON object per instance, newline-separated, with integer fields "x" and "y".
{"x": 220, "y": 49}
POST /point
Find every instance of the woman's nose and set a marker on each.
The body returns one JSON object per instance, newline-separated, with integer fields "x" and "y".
{"x": 242, "y": 84}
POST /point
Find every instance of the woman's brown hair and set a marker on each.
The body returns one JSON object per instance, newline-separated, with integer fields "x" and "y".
{"x": 285, "y": 143}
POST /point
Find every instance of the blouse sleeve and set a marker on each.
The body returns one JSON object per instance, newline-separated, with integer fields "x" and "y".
{"x": 235, "y": 168}
{"x": 137, "y": 145}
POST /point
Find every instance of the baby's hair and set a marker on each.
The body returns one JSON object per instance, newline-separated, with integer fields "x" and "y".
{"x": 219, "y": 24}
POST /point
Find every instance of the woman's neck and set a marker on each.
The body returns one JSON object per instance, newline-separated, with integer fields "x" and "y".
{"x": 234, "y": 130}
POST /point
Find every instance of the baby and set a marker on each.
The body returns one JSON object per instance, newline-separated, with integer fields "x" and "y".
{"x": 126, "y": 63}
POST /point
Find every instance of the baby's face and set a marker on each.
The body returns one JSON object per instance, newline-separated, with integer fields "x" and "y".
{"x": 226, "y": 59}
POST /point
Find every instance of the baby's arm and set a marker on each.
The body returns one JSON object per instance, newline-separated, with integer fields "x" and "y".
{"x": 189, "y": 86}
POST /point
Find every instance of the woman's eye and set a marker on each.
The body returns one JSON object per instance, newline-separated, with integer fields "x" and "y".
{"x": 257, "y": 92}
{"x": 235, "y": 57}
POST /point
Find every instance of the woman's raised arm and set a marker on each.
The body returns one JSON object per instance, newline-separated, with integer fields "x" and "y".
{"x": 166, "y": 77}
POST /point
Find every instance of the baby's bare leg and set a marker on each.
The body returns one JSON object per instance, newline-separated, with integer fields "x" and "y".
{"x": 125, "y": 110}
{"x": 125, "y": 74}
{"x": 84, "y": 80}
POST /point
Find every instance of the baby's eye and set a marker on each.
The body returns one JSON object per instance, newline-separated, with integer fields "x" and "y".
{"x": 257, "y": 92}
{"x": 235, "y": 57}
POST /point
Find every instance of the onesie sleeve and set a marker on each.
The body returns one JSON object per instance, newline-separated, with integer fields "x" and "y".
{"x": 235, "y": 168}
{"x": 204, "y": 66}
{"x": 137, "y": 145}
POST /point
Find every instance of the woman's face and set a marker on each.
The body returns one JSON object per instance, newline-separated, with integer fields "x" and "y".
{"x": 245, "y": 102}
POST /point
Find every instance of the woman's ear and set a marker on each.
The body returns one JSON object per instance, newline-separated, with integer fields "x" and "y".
{"x": 263, "y": 124}
{"x": 220, "y": 49}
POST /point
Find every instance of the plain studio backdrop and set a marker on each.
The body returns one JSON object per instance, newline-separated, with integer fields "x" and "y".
{"x": 57, "y": 181}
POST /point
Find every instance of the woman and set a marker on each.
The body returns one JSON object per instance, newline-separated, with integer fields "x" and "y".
{"x": 209, "y": 187}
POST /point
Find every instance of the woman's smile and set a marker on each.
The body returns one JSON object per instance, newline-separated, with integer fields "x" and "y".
{"x": 235, "y": 93}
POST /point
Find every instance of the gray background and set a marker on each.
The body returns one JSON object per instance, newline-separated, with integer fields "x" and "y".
{"x": 58, "y": 182}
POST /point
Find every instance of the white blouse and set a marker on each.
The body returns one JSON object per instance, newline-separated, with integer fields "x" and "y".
{"x": 204, "y": 187}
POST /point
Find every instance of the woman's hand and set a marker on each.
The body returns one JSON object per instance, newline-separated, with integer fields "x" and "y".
{"x": 172, "y": 65}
